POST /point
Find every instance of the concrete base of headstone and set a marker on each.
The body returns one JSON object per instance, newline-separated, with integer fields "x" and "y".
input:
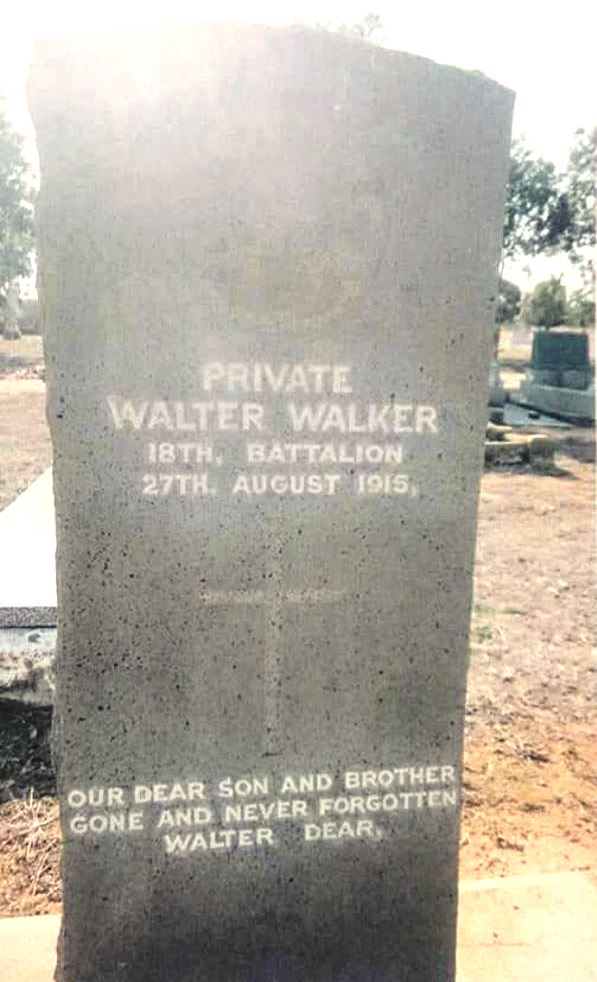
{"x": 537, "y": 928}
{"x": 28, "y": 946}
{"x": 575, "y": 404}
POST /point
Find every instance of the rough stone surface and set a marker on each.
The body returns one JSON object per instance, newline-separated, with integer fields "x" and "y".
{"x": 280, "y": 247}
{"x": 504, "y": 446}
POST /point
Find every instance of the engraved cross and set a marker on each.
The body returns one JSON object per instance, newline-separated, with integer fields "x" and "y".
{"x": 273, "y": 599}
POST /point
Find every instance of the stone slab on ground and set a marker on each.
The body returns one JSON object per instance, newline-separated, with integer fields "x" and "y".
{"x": 28, "y": 547}
{"x": 540, "y": 928}
{"x": 570, "y": 403}
{"x": 515, "y": 415}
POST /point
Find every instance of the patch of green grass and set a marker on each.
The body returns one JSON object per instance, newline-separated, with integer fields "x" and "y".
{"x": 482, "y": 633}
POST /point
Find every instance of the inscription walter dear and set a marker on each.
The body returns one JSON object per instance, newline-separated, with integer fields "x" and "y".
{"x": 292, "y": 405}
{"x": 255, "y": 810}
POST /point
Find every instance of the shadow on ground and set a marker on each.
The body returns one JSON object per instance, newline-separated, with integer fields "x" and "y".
{"x": 578, "y": 449}
{"x": 25, "y": 759}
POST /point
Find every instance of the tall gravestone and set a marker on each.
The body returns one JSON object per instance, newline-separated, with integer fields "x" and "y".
{"x": 267, "y": 263}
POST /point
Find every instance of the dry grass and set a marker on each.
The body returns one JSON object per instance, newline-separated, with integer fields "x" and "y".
{"x": 30, "y": 857}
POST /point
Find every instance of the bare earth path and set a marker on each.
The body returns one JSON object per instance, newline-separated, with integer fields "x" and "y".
{"x": 530, "y": 791}
{"x": 530, "y": 777}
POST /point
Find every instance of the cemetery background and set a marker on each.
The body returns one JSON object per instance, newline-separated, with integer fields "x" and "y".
{"x": 528, "y": 790}
{"x": 530, "y": 758}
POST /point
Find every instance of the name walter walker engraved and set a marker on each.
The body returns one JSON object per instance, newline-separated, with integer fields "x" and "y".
{"x": 279, "y": 431}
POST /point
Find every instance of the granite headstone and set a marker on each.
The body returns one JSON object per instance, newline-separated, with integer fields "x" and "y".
{"x": 561, "y": 358}
{"x": 267, "y": 268}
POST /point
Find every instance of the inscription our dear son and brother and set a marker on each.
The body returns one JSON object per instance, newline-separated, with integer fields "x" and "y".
{"x": 246, "y": 812}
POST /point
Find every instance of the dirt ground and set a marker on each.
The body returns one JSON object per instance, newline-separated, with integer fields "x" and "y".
{"x": 530, "y": 771}
{"x": 25, "y": 450}
{"x": 530, "y": 775}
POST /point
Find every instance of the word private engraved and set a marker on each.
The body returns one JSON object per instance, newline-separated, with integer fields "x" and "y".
{"x": 223, "y": 444}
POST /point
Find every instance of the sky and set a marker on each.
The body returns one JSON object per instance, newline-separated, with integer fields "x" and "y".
{"x": 545, "y": 53}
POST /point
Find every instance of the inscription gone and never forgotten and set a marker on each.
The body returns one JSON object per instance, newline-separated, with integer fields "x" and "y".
{"x": 267, "y": 266}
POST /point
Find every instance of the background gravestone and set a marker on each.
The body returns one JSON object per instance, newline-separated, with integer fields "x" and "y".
{"x": 561, "y": 358}
{"x": 268, "y": 263}
{"x": 560, "y": 378}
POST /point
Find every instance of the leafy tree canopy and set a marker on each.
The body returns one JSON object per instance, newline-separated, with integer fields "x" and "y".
{"x": 16, "y": 212}
{"x": 370, "y": 29}
{"x": 537, "y": 217}
{"x": 547, "y": 211}
{"x": 508, "y": 302}
{"x": 546, "y": 306}
{"x": 581, "y": 178}
{"x": 581, "y": 309}
{"x": 580, "y": 188}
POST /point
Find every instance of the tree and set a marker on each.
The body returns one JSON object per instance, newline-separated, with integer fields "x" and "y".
{"x": 508, "y": 302}
{"x": 580, "y": 190}
{"x": 537, "y": 217}
{"x": 546, "y": 306}
{"x": 16, "y": 216}
{"x": 370, "y": 29}
{"x": 581, "y": 309}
